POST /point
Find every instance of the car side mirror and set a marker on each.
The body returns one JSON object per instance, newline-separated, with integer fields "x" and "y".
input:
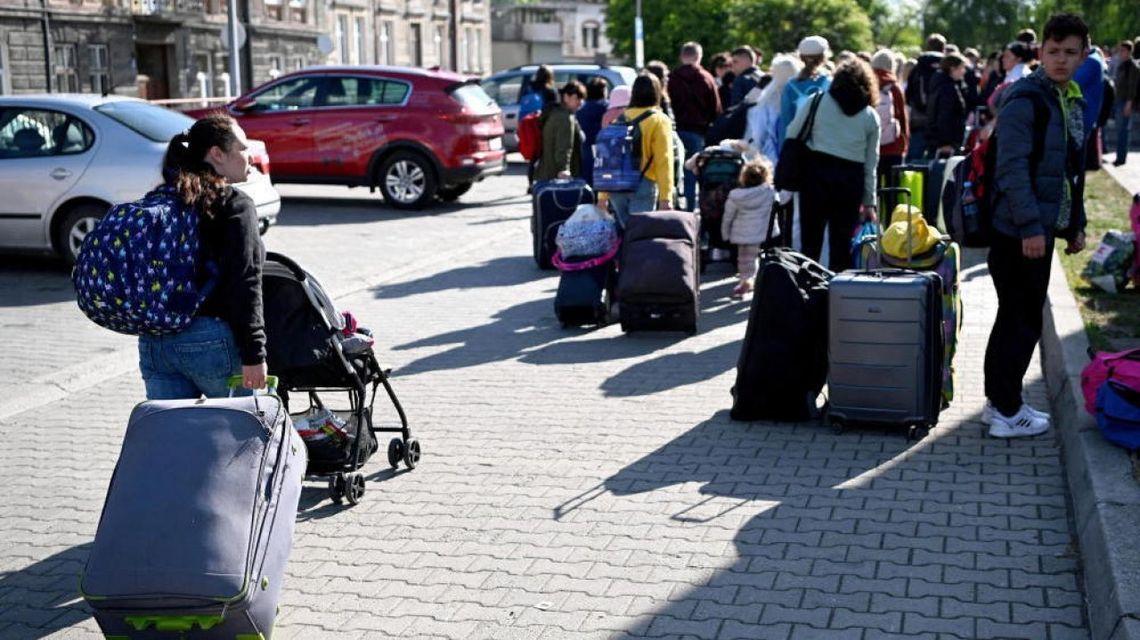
{"x": 244, "y": 104}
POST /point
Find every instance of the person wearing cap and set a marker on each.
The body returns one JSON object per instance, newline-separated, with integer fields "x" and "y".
{"x": 812, "y": 79}
{"x": 894, "y": 123}
{"x": 619, "y": 100}
{"x": 844, "y": 158}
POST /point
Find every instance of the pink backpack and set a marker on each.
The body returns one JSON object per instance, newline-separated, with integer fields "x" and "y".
{"x": 1122, "y": 367}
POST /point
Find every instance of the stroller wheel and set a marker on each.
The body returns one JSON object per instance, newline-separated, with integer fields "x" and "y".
{"x": 336, "y": 487}
{"x": 395, "y": 452}
{"x": 354, "y": 487}
{"x": 412, "y": 453}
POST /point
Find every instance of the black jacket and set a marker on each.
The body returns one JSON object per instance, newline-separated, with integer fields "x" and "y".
{"x": 946, "y": 112}
{"x": 231, "y": 241}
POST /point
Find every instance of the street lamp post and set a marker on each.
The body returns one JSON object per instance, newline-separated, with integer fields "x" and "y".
{"x": 638, "y": 39}
{"x": 235, "y": 50}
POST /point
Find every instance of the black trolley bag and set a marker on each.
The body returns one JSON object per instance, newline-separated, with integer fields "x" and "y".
{"x": 584, "y": 290}
{"x": 659, "y": 276}
{"x": 885, "y": 348}
{"x": 198, "y": 522}
{"x": 783, "y": 359}
{"x": 554, "y": 202}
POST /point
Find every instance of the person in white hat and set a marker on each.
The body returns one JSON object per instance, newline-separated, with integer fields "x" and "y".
{"x": 813, "y": 78}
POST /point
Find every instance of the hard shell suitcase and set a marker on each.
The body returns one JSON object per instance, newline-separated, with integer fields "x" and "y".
{"x": 554, "y": 202}
{"x": 198, "y": 521}
{"x": 659, "y": 276}
{"x": 885, "y": 349}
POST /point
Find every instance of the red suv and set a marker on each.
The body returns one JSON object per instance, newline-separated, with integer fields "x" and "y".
{"x": 415, "y": 134}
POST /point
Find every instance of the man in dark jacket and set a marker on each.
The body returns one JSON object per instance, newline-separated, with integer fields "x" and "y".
{"x": 561, "y": 135}
{"x": 946, "y": 108}
{"x": 1038, "y": 196}
{"x": 1127, "y": 84}
{"x": 589, "y": 117}
{"x": 744, "y": 64}
{"x": 918, "y": 93}
{"x": 695, "y": 105}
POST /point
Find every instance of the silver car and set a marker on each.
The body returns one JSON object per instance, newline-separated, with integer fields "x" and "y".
{"x": 66, "y": 158}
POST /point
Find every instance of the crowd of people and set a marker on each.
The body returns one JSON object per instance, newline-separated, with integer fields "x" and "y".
{"x": 862, "y": 113}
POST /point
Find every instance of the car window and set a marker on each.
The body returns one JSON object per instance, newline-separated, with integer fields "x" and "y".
{"x": 150, "y": 121}
{"x": 506, "y": 90}
{"x": 297, "y": 93}
{"x": 472, "y": 95}
{"x": 344, "y": 91}
{"x": 30, "y": 133}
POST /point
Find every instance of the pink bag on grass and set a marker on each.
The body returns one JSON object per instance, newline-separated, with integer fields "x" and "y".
{"x": 1122, "y": 367}
{"x": 1134, "y": 216}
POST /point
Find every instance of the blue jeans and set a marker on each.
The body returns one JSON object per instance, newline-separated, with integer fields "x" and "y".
{"x": 917, "y": 149}
{"x": 187, "y": 365}
{"x": 1123, "y": 126}
{"x": 640, "y": 201}
{"x": 694, "y": 143}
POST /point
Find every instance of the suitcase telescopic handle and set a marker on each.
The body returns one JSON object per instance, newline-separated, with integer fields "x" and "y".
{"x": 909, "y": 235}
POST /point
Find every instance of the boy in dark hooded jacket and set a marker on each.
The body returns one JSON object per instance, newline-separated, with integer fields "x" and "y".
{"x": 1038, "y": 196}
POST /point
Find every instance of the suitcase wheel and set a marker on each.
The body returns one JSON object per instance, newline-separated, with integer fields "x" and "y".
{"x": 395, "y": 452}
{"x": 354, "y": 487}
{"x": 411, "y": 453}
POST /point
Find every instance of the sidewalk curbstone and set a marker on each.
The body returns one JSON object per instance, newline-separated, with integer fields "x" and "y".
{"x": 1106, "y": 498}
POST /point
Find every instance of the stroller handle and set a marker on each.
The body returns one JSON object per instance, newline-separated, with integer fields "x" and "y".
{"x": 287, "y": 262}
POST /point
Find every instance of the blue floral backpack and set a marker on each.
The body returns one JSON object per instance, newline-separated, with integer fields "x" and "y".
{"x": 137, "y": 271}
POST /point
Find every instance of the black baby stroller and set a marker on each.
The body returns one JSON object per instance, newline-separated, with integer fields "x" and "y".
{"x": 309, "y": 351}
{"x": 717, "y": 172}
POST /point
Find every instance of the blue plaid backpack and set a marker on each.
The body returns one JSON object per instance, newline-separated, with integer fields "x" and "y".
{"x": 617, "y": 155}
{"x": 137, "y": 271}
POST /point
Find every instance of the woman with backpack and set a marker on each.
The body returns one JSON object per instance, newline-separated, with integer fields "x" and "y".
{"x": 844, "y": 156}
{"x": 894, "y": 125}
{"x": 227, "y": 335}
{"x": 655, "y": 191}
{"x": 813, "y": 78}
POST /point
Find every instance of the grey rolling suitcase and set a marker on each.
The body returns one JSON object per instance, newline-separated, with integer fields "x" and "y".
{"x": 885, "y": 349}
{"x": 198, "y": 521}
{"x": 659, "y": 276}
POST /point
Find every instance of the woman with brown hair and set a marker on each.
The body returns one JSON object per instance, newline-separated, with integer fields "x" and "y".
{"x": 227, "y": 335}
{"x": 844, "y": 142}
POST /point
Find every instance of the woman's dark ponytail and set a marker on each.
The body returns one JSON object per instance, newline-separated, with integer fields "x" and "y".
{"x": 185, "y": 165}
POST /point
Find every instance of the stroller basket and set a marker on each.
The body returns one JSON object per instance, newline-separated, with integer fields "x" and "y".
{"x": 718, "y": 166}
{"x": 306, "y": 349}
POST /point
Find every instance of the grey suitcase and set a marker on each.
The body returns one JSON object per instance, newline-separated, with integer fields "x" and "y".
{"x": 198, "y": 521}
{"x": 885, "y": 349}
{"x": 659, "y": 280}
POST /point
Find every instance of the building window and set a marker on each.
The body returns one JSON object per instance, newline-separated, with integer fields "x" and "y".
{"x": 274, "y": 10}
{"x": 216, "y": 6}
{"x": 342, "y": 38}
{"x": 472, "y": 38}
{"x": 298, "y": 63}
{"x": 299, "y": 11}
{"x": 387, "y": 49}
{"x": 276, "y": 66}
{"x": 359, "y": 40}
{"x": 203, "y": 75}
{"x": 66, "y": 69}
{"x": 440, "y": 38}
{"x": 98, "y": 65}
{"x": 590, "y": 35}
{"x": 415, "y": 45}
{"x": 5, "y": 74}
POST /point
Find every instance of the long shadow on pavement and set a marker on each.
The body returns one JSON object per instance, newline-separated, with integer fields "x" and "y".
{"x": 43, "y": 597}
{"x": 499, "y": 272}
{"x": 314, "y": 210}
{"x": 29, "y": 280}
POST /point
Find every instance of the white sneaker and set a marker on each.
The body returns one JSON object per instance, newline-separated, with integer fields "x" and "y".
{"x": 988, "y": 412}
{"x": 1021, "y": 425}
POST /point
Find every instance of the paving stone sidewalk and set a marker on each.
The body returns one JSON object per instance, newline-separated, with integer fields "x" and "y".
{"x": 586, "y": 484}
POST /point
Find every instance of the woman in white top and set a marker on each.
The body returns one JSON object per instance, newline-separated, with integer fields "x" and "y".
{"x": 762, "y": 132}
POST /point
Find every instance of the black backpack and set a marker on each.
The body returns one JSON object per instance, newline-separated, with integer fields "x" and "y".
{"x": 729, "y": 125}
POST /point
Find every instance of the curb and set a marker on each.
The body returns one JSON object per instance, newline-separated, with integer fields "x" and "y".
{"x": 1106, "y": 498}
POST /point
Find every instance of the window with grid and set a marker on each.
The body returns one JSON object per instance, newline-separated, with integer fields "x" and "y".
{"x": 66, "y": 69}
{"x": 98, "y": 65}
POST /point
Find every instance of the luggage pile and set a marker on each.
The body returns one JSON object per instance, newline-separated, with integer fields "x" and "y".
{"x": 1111, "y": 387}
{"x": 588, "y": 245}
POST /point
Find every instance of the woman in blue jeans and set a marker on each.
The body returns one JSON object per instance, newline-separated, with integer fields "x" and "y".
{"x": 227, "y": 337}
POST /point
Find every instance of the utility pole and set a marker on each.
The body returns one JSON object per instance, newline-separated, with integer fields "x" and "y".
{"x": 235, "y": 50}
{"x": 638, "y": 39}
{"x": 454, "y": 24}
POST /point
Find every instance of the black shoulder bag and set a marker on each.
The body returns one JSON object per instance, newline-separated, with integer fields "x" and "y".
{"x": 793, "y": 172}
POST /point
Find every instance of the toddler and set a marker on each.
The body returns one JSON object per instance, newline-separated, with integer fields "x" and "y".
{"x": 747, "y": 213}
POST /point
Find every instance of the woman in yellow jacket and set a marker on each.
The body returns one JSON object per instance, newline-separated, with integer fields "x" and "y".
{"x": 657, "y": 181}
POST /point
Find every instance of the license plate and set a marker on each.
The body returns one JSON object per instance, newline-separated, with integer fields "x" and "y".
{"x": 496, "y": 144}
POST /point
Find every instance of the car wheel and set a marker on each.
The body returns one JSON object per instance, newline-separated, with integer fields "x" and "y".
{"x": 451, "y": 194}
{"x": 74, "y": 227}
{"x": 407, "y": 180}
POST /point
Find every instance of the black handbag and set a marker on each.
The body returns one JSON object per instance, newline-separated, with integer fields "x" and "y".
{"x": 793, "y": 169}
